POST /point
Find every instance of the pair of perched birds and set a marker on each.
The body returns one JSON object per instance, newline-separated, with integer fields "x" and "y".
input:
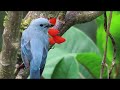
{"x": 35, "y": 42}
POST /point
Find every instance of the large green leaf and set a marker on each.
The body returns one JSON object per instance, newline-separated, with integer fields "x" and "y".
{"x": 67, "y": 68}
{"x": 53, "y": 58}
{"x": 92, "y": 62}
{"x": 76, "y": 42}
{"x": 84, "y": 72}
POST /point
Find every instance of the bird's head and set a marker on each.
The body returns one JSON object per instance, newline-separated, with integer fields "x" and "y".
{"x": 41, "y": 24}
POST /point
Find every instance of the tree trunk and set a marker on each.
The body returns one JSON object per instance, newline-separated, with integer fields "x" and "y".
{"x": 10, "y": 44}
{"x": 2, "y": 15}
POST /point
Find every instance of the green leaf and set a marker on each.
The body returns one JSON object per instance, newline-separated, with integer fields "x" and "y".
{"x": 67, "y": 68}
{"x": 100, "y": 19}
{"x": 54, "y": 57}
{"x": 84, "y": 72}
{"x": 92, "y": 62}
{"x": 89, "y": 28}
{"x": 76, "y": 42}
{"x": 100, "y": 38}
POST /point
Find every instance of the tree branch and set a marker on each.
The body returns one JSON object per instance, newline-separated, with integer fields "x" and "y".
{"x": 75, "y": 17}
{"x": 37, "y": 14}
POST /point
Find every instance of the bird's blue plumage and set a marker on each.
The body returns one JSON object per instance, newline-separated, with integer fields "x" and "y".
{"x": 34, "y": 46}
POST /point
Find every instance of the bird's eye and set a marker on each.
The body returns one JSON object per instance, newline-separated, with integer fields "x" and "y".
{"x": 41, "y": 25}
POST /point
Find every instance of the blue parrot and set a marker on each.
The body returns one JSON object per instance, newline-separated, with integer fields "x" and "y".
{"x": 34, "y": 46}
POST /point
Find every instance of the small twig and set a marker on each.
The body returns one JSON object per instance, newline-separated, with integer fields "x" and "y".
{"x": 105, "y": 51}
{"x": 114, "y": 49}
{"x": 114, "y": 56}
{"x": 114, "y": 45}
{"x": 106, "y": 27}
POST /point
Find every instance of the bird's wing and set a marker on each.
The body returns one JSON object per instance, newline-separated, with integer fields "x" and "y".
{"x": 45, "y": 51}
{"x": 25, "y": 49}
{"x": 37, "y": 49}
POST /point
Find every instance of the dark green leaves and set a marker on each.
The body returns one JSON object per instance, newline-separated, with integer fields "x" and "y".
{"x": 92, "y": 62}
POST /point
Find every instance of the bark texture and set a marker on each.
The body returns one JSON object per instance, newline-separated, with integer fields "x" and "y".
{"x": 10, "y": 44}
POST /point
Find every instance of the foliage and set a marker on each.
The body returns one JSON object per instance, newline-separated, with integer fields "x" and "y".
{"x": 5, "y": 19}
{"x": 60, "y": 57}
{"x": 114, "y": 31}
{"x": 79, "y": 56}
{"x": 24, "y": 24}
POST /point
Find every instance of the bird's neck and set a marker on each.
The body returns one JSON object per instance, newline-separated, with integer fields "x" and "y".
{"x": 37, "y": 29}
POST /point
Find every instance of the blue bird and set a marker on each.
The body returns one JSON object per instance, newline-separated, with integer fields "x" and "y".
{"x": 34, "y": 46}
